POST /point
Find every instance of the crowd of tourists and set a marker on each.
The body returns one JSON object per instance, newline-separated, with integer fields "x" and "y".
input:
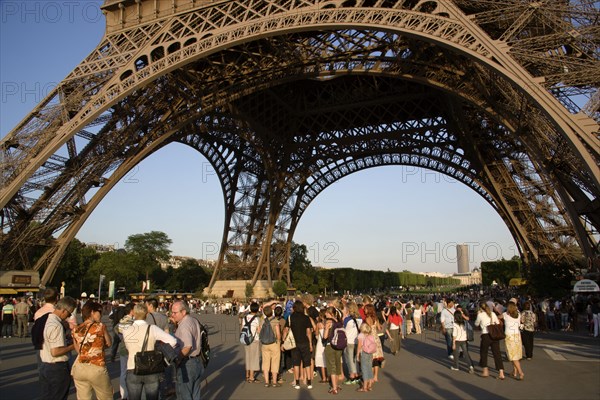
{"x": 374, "y": 328}
{"x": 340, "y": 342}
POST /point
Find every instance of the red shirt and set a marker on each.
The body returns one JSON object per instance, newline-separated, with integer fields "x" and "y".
{"x": 395, "y": 319}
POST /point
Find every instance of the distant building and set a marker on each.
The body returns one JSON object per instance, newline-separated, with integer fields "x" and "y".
{"x": 462, "y": 258}
{"x": 435, "y": 274}
{"x": 469, "y": 278}
{"x": 101, "y": 248}
{"x": 176, "y": 261}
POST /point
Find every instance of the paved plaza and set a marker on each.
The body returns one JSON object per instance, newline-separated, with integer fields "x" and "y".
{"x": 564, "y": 366}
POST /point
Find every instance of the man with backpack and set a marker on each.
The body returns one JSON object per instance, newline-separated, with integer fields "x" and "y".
{"x": 270, "y": 338}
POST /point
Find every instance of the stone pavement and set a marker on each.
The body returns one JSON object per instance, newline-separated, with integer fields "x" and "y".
{"x": 564, "y": 366}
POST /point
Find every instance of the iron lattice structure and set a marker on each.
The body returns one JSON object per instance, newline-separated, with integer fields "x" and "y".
{"x": 285, "y": 97}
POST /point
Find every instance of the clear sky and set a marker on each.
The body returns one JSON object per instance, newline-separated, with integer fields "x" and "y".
{"x": 388, "y": 217}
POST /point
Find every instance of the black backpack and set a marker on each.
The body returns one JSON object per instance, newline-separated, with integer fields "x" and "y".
{"x": 204, "y": 345}
{"x": 37, "y": 331}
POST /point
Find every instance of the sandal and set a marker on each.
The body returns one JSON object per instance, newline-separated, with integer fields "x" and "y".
{"x": 323, "y": 381}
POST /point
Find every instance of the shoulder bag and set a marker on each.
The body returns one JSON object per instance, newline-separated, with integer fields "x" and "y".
{"x": 290, "y": 342}
{"x": 148, "y": 362}
{"x": 496, "y": 331}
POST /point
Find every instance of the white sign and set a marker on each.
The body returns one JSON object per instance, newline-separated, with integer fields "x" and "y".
{"x": 586, "y": 285}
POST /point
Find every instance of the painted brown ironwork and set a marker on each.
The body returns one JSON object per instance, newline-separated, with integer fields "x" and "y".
{"x": 286, "y": 97}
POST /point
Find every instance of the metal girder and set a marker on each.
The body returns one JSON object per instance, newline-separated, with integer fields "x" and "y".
{"x": 286, "y": 97}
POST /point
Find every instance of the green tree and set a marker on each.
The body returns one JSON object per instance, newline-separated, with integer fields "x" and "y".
{"x": 150, "y": 248}
{"x": 501, "y": 271}
{"x": 249, "y": 290}
{"x": 73, "y": 267}
{"x": 121, "y": 267}
{"x": 550, "y": 279}
{"x": 189, "y": 277}
{"x": 280, "y": 288}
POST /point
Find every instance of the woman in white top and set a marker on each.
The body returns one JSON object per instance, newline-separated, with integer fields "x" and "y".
{"x": 459, "y": 340}
{"x": 133, "y": 337}
{"x": 514, "y": 349}
{"x": 486, "y": 317}
{"x": 417, "y": 313}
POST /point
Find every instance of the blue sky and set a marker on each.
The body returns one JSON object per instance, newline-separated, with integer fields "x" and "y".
{"x": 388, "y": 217}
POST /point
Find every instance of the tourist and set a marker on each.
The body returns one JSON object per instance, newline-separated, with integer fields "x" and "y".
{"x": 300, "y": 325}
{"x": 373, "y": 321}
{"x": 189, "y": 365}
{"x": 22, "y": 314}
{"x": 123, "y": 324}
{"x": 352, "y": 330}
{"x": 271, "y": 353}
{"x": 90, "y": 339}
{"x": 55, "y": 377}
{"x": 252, "y": 350}
{"x": 486, "y": 317}
{"x": 459, "y": 340}
{"x": 365, "y": 357}
{"x": 529, "y": 322}
{"x": 447, "y": 323}
{"x": 134, "y": 337}
{"x": 319, "y": 353}
{"x": 514, "y": 346}
{"x": 394, "y": 322}
{"x": 333, "y": 357}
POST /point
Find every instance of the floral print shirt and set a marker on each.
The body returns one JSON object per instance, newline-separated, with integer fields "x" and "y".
{"x": 92, "y": 347}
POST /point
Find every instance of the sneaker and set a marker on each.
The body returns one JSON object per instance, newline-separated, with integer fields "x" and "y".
{"x": 276, "y": 385}
{"x": 356, "y": 381}
{"x": 454, "y": 368}
{"x": 451, "y": 357}
{"x": 296, "y": 387}
{"x": 309, "y": 387}
{"x": 349, "y": 382}
{"x": 471, "y": 370}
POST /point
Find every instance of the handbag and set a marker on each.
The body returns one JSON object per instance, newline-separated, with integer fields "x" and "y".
{"x": 289, "y": 343}
{"x": 496, "y": 331}
{"x": 148, "y": 362}
{"x": 470, "y": 333}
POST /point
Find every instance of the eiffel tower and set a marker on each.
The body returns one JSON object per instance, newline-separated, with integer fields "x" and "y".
{"x": 285, "y": 97}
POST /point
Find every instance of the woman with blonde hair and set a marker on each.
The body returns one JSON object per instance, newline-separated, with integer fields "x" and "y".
{"x": 485, "y": 317}
{"x": 514, "y": 349}
{"x": 373, "y": 321}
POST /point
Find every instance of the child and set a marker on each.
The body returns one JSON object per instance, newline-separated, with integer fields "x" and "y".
{"x": 364, "y": 354}
{"x": 459, "y": 340}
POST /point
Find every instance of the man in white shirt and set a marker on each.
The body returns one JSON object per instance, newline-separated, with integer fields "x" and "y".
{"x": 55, "y": 376}
{"x": 447, "y": 322}
{"x": 133, "y": 337}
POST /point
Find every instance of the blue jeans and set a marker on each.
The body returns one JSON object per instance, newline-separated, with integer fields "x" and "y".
{"x": 55, "y": 380}
{"x": 189, "y": 374}
{"x": 136, "y": 384}
{"x": 449, "y": 341}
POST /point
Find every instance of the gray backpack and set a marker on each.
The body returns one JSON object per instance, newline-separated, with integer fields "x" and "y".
{"x": 267, "y": 336}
